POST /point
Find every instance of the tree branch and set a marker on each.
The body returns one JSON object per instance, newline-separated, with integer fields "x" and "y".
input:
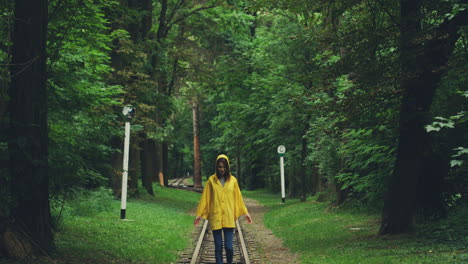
{"x": 392, "y": 18}
{"x": 188, "y": 15}
{"x": 174, "y": 11}
{"x": 57, "y": 6}
{"x": 439, "y": 48}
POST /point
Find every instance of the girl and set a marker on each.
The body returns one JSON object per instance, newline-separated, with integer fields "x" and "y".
{"x": 221, "y": 204}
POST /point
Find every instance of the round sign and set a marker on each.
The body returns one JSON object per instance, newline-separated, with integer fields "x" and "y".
{"x": 128, "y": 111}
{"x": 281, "y": 149}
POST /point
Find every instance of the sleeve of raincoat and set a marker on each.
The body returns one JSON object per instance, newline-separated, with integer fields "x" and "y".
{"x": 239, "y": 206}
{"x": 203, "y": 208}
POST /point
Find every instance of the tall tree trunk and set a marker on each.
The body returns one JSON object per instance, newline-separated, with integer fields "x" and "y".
{"x": 135, "y": 167}
{"x": 28, "y": 143}
{"x": 156, "y": 161}
{"x": 316, "y": 182}
{"x": 196, "y": 147}
{"x": 116, "y": 160}
{"x": 238, "y": 168}
{"x": 147, "y": 164}
{"x": 302, "y": 169}
{"x": 435, "y": 168}
{"x": 165, "y": 163}
{"x": 179, "y": 164}
{"x": 340, "y": 193}
{"x": 176, "y": 158}
{"x": 139, "y": 29}
{"x": 400, "y": 199}
{"x": 422, "y": 66}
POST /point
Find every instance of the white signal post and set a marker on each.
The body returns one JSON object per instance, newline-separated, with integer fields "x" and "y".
{"x": 128, "y": 112}
{"x": 281, "y": 152}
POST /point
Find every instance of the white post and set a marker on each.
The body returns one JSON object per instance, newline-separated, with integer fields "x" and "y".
{"x": 282, "y": 179}
{"x": 123, "y": 205}
{"x": 281, "y": 152}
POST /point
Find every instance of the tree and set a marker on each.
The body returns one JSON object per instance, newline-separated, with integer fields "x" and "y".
{"x": 423, "y": 61}
{"x": 28, "y": 142}
{"x": 196, "y": 146}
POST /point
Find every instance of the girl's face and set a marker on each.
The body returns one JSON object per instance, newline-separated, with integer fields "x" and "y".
{"x": 221, "y": 167}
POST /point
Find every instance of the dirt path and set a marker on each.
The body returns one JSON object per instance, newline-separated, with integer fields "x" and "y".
{"x": 269, "y": 247}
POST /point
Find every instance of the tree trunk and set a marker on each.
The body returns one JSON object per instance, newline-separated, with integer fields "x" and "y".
{"x": 196, "y": 147}
{"x": 156, "y": 160}
{"x": 147, "y": 164}
{"x": 316, "y": 186}
{"x": 292, "y": 181}
{"x": 140, "y": 28}
{"x": 28, "y": 142}
{"x": 165, "y": 163}
{"x": 422, "y": 66}
{"x": 238, "y": 169}
{"x": 135, "y": 167}
{"x": 116, "y": 160}
{"x": 179, "y": 170}
{"x": 435, "y": 168}
{"x": 159, "y": 165}
{"x": 340, "y": 193}
{"x": 302, "y": 169}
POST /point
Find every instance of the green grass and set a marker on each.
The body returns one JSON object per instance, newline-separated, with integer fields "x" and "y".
{"x": 320, "y": 234}
{"x": 91, "y": 231}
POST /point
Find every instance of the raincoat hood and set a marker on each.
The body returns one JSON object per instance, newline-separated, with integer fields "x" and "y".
{"x": 228, "y": 164}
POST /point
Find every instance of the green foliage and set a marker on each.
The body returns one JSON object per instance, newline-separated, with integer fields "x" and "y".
{"x": 82, "y": 103}
{"x": 367, "y": 165}
{"x": 460, "y": 119}
{"x": 448, "y": 230}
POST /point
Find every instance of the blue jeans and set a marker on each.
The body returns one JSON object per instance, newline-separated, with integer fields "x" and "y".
{"x": 218, "y": 240}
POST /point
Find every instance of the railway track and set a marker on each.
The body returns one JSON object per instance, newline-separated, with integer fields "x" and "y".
{"x": 179, "y": 184}
{"x": 203, "y": 252}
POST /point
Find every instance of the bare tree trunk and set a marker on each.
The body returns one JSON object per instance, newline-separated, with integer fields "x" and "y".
{"x": 196, "y": 147}
{"x": 28, "y": 141}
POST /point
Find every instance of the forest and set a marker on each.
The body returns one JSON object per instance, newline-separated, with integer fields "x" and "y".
{"x": 368, "y": 97}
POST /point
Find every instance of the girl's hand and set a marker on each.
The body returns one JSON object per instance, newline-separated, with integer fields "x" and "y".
{"x": 197, "y": 220}
{"x": 248, "y": 218}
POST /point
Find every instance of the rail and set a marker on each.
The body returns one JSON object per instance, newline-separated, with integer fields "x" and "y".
{"x": 204, "y": 249}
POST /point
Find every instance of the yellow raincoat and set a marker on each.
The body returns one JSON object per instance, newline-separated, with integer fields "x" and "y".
{"x": 221, "y": 206}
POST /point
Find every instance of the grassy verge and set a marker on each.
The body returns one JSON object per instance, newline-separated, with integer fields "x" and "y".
{"x": 320, "y": 234}
{"x": 91, "y": 231}
{"x": 158, "y": 229}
